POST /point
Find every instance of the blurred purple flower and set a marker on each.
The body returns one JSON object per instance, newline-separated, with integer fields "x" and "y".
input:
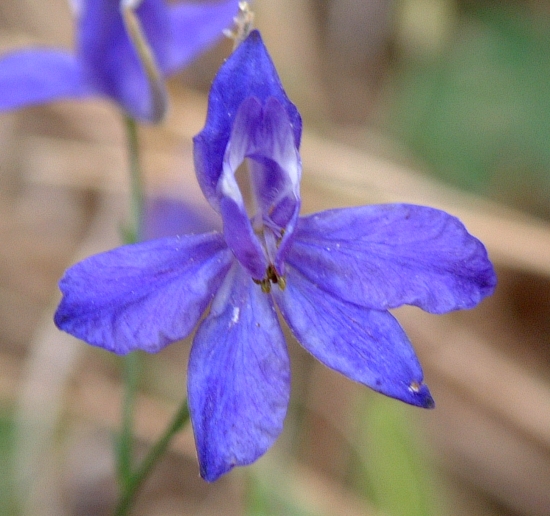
{"x": 168, "y": 216}
{"x": 333, "y": 275}
{"x": 105, "y": 62}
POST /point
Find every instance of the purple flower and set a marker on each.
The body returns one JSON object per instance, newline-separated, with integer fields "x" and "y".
{"x": 333, "y": 275}
{"x": 167, "y": 216}
{"x": 106, "y": 63}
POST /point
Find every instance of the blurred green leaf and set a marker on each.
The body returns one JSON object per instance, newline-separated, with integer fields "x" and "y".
{"x": 479, "y": 114}
{"x": 7, "y": 500}
{"x": 393, "y": 470}
{"x": 268, "y": 494}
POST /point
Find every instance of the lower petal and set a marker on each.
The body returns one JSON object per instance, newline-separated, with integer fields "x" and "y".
{"x": 368, "y": 346}
{"x": 30, "y": 77}
{"x": 239, "y": 377}
{"x": 142, "y": 296}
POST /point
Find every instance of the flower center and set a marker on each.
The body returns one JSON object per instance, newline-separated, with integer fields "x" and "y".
{"x": 259, "y": 189}
{"x": 268, "y": 232}
{"x": 271, "y": 276}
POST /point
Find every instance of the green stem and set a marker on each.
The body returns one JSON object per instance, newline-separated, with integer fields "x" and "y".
{"x": 129, "y": 480}
{"x": 131, "y": 368}
{"x": 131, "y": 362}
{"x": 137, "y": 479}
{"x": 136, "y": 182}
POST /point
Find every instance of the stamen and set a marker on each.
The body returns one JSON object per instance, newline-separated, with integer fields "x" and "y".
{"x": 264, "y": 283}
{"x": 271, "y": 277}
{"x": 271, "y": 274}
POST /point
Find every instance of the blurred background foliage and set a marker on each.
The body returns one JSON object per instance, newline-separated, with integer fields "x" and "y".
{"x": 441, "y": 91}
{"x": 476, "y": 109}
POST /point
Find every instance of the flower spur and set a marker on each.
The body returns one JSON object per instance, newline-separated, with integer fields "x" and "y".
{"x": 333, "y": 275}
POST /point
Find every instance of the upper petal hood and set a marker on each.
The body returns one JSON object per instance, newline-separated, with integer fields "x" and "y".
{"x": 263, "y": 134}
{"x": 249, "y": 72}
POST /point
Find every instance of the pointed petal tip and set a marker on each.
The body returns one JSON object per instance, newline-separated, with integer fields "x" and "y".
{"x": 421, "y": 396}
{"x": 429, "y": 403}
{"x": 211, "y": 473}
{"x": 255, "y": 36}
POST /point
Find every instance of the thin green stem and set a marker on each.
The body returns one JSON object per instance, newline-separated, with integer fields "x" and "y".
{"x": 129, "y": 480}
{"x": 137, "y": 479}
{"x": 131, "y": 362}
{"x": 131, "y": 369}
{"x": 136, "y": 182}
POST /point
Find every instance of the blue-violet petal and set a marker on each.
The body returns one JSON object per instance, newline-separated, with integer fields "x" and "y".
{"x": 142, "y": 296}
{"x": 248, "y": 72}
{"x": 109, "y": 58}
{"x": 239, "y": 377}
{"x": 36, "y": 76}
{"x": 388, "y": 255}
{"x": 193, "y": 27}
{"x": 368, "y": 346}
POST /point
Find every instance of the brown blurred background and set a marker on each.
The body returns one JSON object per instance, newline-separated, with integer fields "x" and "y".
{"x": 437, "y": 102}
